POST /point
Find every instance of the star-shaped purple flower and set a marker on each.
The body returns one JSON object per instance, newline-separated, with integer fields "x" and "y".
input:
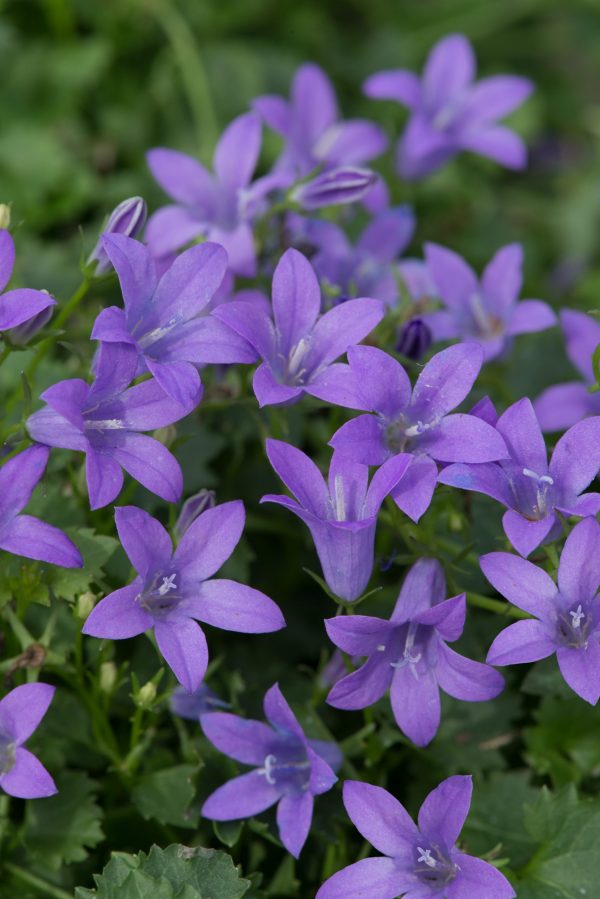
{"x": 449, "y": 112}
{"x": 486, "y": 311}
{"x": 298, "y": 346}
{"x": 174, "y": 588}
{"x": 419, "y": 862}
{"x": 563, "y": 405}
{"x": 532, "y": 490}
{"x": 21, "y": 710}
{"x": 340, "y": 514}
{"x": 217, "y": 206}
{"x": 409, "y": 656}
{"x": 104, "y": 421}
{"x": 21, "y": 304}
{"x": 289, "y": 769}
{"x": 567, "y": 617}
{"x": 310, "y": 126}
{"x": 24, "y": 535}
{"x": 168, "y": 320}
{"x": 416, "y": 421}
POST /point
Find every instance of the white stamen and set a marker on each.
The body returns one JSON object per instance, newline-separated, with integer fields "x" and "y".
{"x": 153, "y": 336}
{"x": 417, "y": 429}
{"x": 381, "y": 647}
{"x": 108, "y": 424}
{"x": 296, "y": 356}
{"x": 340, "y": 501}
{"x": 577, "y": 617}
{"x": 425, "y": 856}
{"x": 408, "y": 658}
{"x": 168, "y": 583}
{"x": 270, "y": 762}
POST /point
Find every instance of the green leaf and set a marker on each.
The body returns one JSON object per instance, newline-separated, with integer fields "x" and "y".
{"x": 61, "y": 829}
{"x": 96, "y": 549}
{"x": 189, "y": 873}
{"x": 167, "y": 796}
{"x": 565, "y": 741}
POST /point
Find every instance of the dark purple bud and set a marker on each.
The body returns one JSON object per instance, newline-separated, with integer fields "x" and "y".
{"x": 192, "y": 508}
{"x": 346, "y": 184}
{"x": 22, "y": 334}
{"x": 128, "y": 218}
{"x": 414, "y": 339}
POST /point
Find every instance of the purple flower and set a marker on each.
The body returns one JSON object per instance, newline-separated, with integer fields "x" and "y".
{"x": 299, "y": 346}
{"x": 531, "y": 489}
{"x": 341, "y": 515}
{"x": 192, "y": 706}
{"x": 419, "y": 862}
{"x": 365, "y": 269}
{"x": 562, "y": 405}
{"x": 309, "y": 123}
{"x": 449, "y": 112}
{"x": 104, "y": 421}
{"x": 414, "y": 339}
{"x": 288, "y": 769}
{"x": 416, "y": 421}
{"x": 168, "y": 320}
{"x": 218, "y": 207}
{"x": 22, "y": 334}
{"x": 21, "y": 711}
{"x": 24, "y": 535}
{"x": 334, "y": 187}
{"x": 128, "y": 219}
{"x": 173, "y": 588}
{"x": 409, "y": 656}
{"x": 22, "y": 304}
{"x": 567, "y": 617}
{"x": 486, "y": 311}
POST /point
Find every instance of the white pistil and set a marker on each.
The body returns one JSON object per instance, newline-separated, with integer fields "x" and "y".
{"x": 339, "y": 498}
{"x": 267, "y": 770}
{"x": 107, "y": 424}
{"x": 425, "y": 856}
{"x": 168, "y": 583}
{"x": 408, "y": 658}
{"x": 577, "y": 617}
{"x": 417, "y": 429}
{"x": 296, "y": 356}
{"x": 381, "y": 647}
{"x": 543, "y": 484}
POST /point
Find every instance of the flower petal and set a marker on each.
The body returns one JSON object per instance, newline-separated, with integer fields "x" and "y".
{"x": 182, "y": 177}
{"x": 579, "y": 566}
{"x": 23, "y": 708}
{"x": 369, "y": 877}
{"x": 104, "y": 479}
{"x": 463, "y": 438}
{"x": 446, "y": 380}
{"x": 296, "y": 299}
{"x": 424, "y": 585}
{"x": 498, "y": 143}
{"x": 523, "y": 436}
{"x": 364, "y": 687}
{"x": 523, "y": 641}
{"x": 279, "y": 714}
{"x": 241, "y": 797}
{"x": 342, "y": 327}
{"x": 580, "y": 667}
{"x": 119, "y": 616}
{"x": 381, "y": 381}
{"x": 233, "y": 607}
{"x": 27, "y": 779}
{"x": 19, "y": 477}
{"x": 144, "y": 539}
{"x": 445, "y": 809}
{"x": 416, "y": 704}
{"x": 294, "y": 817}
{"x": 478, "y": 878}
{"x": 394, "y": 84}
{"x": 18, "y": 306}
{"x": 526, "y": 535}
{"x": 7, "y": 257}
{"x": 135, "y": 270}
{"x": 182, "y": 644}
{"x": 362, "y": 439}
{"x": 358, "y": 635}
{"x": 241, "y": 739}
{"x": 453, "y": 278}
{"x": 449, "y": 69}
{"x": 524, "y": 585}
{"x": 530, "y": 316}
{"x": 35, "y": 539}
{"x": 150, "y": 463}
{"x": 379, "y": 818}
{"x": 415, "y": 491}
{"x": 483, "y": 477}
{"x": 300, "y": 475}
{"x": 466, "y": 679}
{"x": 237, "y": 151}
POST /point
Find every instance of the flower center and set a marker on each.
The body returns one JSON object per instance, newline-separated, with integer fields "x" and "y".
{"x": 8, "y": 753}
{"x": 399, "y": 433}
{"x": 543, "y": 483}
{"x": 574, "y": 627}
{"x": 487, "y": 325}
{"x": 289, "y": 770}
{"x": 433, "y": 867}
{"x": 294, "y": 369}
{"x": 160, "y": 594}
{"x": 146, "y": 340}
{"x": 410, "y": 654}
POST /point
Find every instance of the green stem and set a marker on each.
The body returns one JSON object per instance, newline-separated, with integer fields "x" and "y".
{"x": 5, "y": 354}
{"x": 495, "y": 605}
{"x": 48, "y": 889}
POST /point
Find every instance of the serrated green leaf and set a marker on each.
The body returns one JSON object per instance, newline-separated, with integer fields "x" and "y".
{"x": 61, "y": 829}
{"x": 495, "y": 823}
{"x": 167, "y": 796}
{"x": 96, "y": 549}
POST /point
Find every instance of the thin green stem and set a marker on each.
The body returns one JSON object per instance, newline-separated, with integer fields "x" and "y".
{"x": 5, "y": 354}
{"x": 495, "y": 605}
{"x": 42, "y": 886}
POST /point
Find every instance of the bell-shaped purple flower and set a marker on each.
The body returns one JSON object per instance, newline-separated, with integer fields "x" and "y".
{"x": 21, "y": 304}
{"x": 450, "y": 112}
{"x": 218, "y": 206}
{"x": 563, "y": 405}
{"x": 486, "y": 311}
{"x": 409, "y": 656}
{"x": 532, "y": 489}
{"x": 417, "y": 862}
{"x": 288, "y": 769}
{"x": 310, "y": 126}
{"x": 104, "y": 421}
{"x": 404, "y": 420}
{"x": 341, "y": 514}
{"x": 24, "y": 535}
{"x": 298, "y": 346}
{"x": 128, "y": 219}
{"x": 21, "y": 710}
{"x": 174, "y": 590}
{"x": 567, "y": 617}
{"x": 168, "y": 321}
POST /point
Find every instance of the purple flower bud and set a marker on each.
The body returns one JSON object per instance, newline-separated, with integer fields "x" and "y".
{"x": 22, "y": 334}
{"x": 414, "y": 339}
{"x": 192, "y": 705}
{"x": 346, "y": 184}
{"x": 192, "y": 508}
{"x": 128, "y": 218}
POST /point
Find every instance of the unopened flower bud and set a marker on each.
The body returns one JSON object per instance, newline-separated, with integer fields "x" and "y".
{"x": 414, "y": 339}
{"x": 128, "y": 218}
{"x": 85, "y": 604}
{"x": 4, "y": 216}
{"x": 346, "y": 184}
{"x": 108, "y": 676}
{"x": 192, "y": 508}
{"x": 22, "y": 334}
{"x": 146, "y": 695}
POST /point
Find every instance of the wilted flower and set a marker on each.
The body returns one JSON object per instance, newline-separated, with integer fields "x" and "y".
{"x": 128, "y": 219}
{"x": 409, "y": 655}
{"x": 341, "y": 515}
{"x": 290, "y": 770}
{"x": 421, "y": 862}
{"x": 174, "y": 590}
{"x": 567, "y": 617}
{"x": 449, "y": 112}
{"x": 21, "y": 711}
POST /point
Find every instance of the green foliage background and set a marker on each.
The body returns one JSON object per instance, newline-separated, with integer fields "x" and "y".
{"x": 87, "y": 88}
